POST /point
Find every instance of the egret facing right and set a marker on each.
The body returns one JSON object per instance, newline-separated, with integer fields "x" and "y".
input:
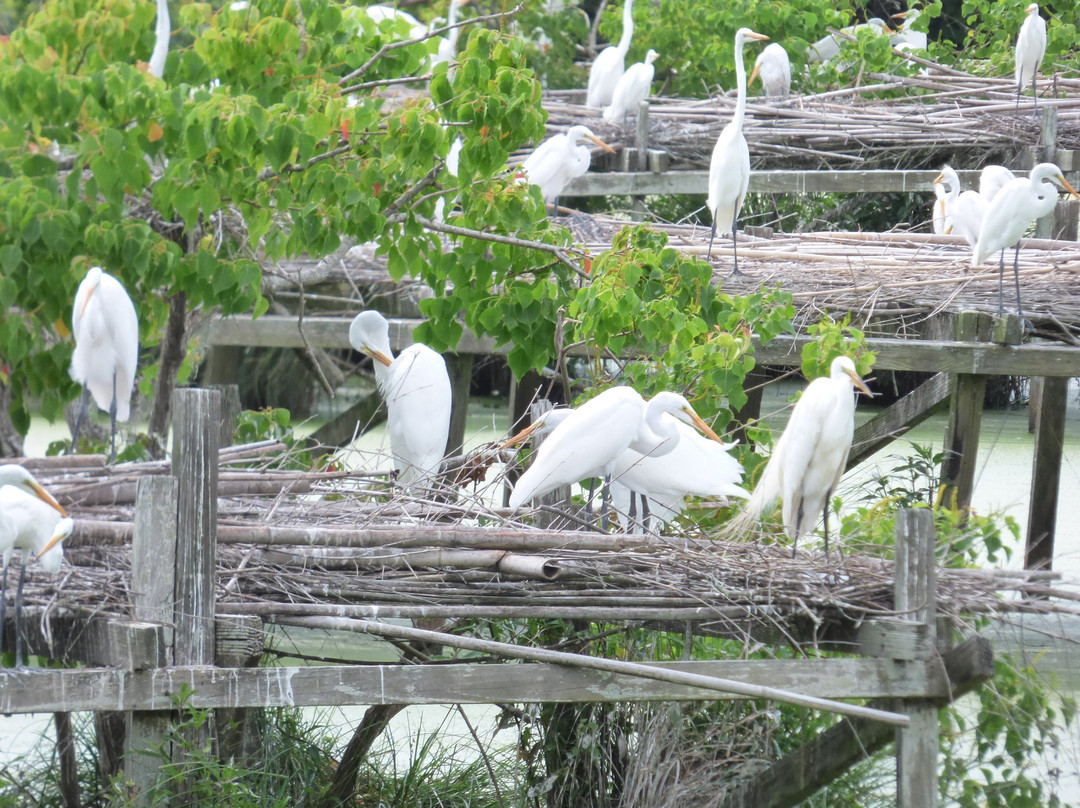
{"x": 1030, "y": 49}
{"x": 559, "y": 159}
{"x": 729, "y": 168}
{"x": 106, "y": 331}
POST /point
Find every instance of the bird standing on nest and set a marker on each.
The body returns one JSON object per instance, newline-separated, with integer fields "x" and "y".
{"x": 775, "y": 69}
{"x": 964, "y": 212}
{"x": 632, "y": 89}
{"x": 607, "y": 68}
{"x": 559, "y": 159}
{"x": 809, "y": 459}
{"x": 1030, "y": 49}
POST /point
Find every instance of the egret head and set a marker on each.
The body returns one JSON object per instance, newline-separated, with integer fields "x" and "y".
{"x": 52, "y": 554}
{"x": 92, "y": 281}
{"x": 369, "y": 333}
{"x": 578, "y": 134}
{"x": 680, "y": 408}
{"x": 21, "y": 478}
{"x": 1032, "y": 9}
{"x": 844, "y": 366}
{"x": 1049, "y": 171}
{"x": 650, "y": 57}
{"x": 744, "y": 34}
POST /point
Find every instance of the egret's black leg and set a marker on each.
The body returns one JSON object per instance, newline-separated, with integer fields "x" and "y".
{"x": 645, "y": 518}
{"x": 1035, "y": 91}
{"x": 1001, "y": 282}
{"x": 84, "y": 404}
{"x": 18, "y": 611}
{"x": 735, "y": 248}
{"x": 112, "y": 422}
{"x": 798, "y": 527}
{"x": 631, "y": 517}
{"x": 592, "y": 493}
{"x": 1019, "y": 87}
{"x": 3, "y": 606}
{"x": 604, "y": 501}
{"x": 825, "y": 513}
{"x": 1016, "y": 278}
{"x": 712, "y": 235}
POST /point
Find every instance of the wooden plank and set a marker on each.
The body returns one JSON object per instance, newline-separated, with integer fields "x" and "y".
{"x": 107, "y": 689}
{"x": 896, "y": 639}
{"x": 904, "y": 414}
{"x": 111, "y": 641}
{"x": 1046, "y": 474}
{"x": 765, "y": 182}
{"x": 794, "y": 778}
{"x": 916, "y": 595}
{"x": 947, "y": 356}
{"x": 965, "y": 417}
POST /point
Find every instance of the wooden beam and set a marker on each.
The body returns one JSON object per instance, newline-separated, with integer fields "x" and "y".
{"x": 948, "y": 356}
{"x": 1046, "y": 473}
{"x": 904, "y": 414}
{"x": 794, "y": 778}
{"x": 43, "y": 690}
{"x": 965, "y": 416}
{"x": 112, "y": 641}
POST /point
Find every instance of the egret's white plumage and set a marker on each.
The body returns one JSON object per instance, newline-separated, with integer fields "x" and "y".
{"x": 907, "y": 38}
{"x": 608, "y": 67}
{"x": 590, "y": 439}
{"x": 559, "y": 159}
{"x": 18, "y": 477}
{"x": 106, "y": 331}
{"x": 992, "y": 179}
{"x": 162, "y": 31}
{"x": 964, "y": 211}
{"x": 775, "y": 69}
{"x": 729, "y": 168}
{"x": 1019, "y": 203}
{"x": 632, "y": 89}
{"x": 937, "y": 215}
{"x": 828, "y": 47}
{"x": 1030, "y": 49}
{"x": 809, "y": 459}
{"x": 418, "y": 397}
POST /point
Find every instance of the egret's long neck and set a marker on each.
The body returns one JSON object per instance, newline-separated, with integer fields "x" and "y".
{"x": 453, "y": 34}
{"x": 740, "y": 78}
{"x": 627, "y": 26}
{"x": 657, "y": 435}
{"x": 162, "y": 30}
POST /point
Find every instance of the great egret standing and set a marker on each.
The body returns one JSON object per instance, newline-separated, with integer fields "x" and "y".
{"x": 106, "y": 331}
{"x": 607, "y": 68}
{"x": 559, "y": 159}
{"x": 992, "y": 179}
{"x": 810, "y": 456}
{"x": 964, "y": 212}
{"x": 416, "y": 388}
{"x": 1030, "y": 48}
{"x": 1019, "y": 203}
{"x": 632, "y": 89}
{"x": 937, "y": 216}
{"x": 729, "y": 168}
{"x": 18, "y": 477}
{"x": 34, "y": 526}
{"x": 591, "y": 438}
{"x": 775, "y": 69}
{"x": 162, "y": 31}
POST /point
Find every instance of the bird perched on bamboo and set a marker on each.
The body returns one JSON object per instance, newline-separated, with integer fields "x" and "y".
{"x": 1019, "y": 203}
{"x": 1030, "y": 49}
{"x": 106, "y": 331}
{"x": 416, "y": 388}
{"x": 559, "y": 159}
{"x": 964, "y": 211}
{"x": 590, "y": 439}
{"x": 775, "y": 69}
{"x": 828, "y": 47}
{"x": 632, "y": 89}
{"x": 992, "y": 179}
{"x": 607, "y": 68}
{"x": 729, "y": 168}
{"x": 809, "y": 459}
{"x": 37, "y": 527}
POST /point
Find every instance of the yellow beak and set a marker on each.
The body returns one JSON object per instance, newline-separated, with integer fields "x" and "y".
{"x": 86, "y": 302}
{"x": 1068, "y": 187}
{"x": 940, "y": 178}
{"x": 45, "y": 496}
{"x": 755, "y": 35}
{"x": 600, "y": 143}
{"x": 56, "y": 538}
{"x": 523, "y": 435}
{"x": 753, "y": 74}
{"x": 701, "y": 425}
{"x": 859, "y": 383}
{"x": 378, "y": 356}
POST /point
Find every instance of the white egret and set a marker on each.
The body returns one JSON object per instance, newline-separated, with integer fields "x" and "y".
{"x": 608, "y": 67}
{"x": 559, "y": 159}
{"x": 964, "y": 212}
{"x": 34, "y": 526}
{"x": 775, "y": 69}
{"x": 992, "y": 179}
{"x": 1030, "y": 49}
{"x": 937, "y": 216}
{"x": 810, "y": 456}
{"x": 907, "y": 38}
{"x": 729, "y": 168}
{"x": 591, "y": 438}
{"x": 828, "y": 47}
{"x": 1019, "y": 203}
{"x": 632, "y": 89}
{"x": 162, "y": 31}
{"x": 106, "y": 331}
{"x": 416, "y": 388}
{"x": 18, "y": 477}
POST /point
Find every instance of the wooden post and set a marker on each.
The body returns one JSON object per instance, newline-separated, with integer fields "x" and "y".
{"x": 641, "y": 157}
{"x": 153, "y": 565}
{"x": 222, "y": 362}
{"x": 459, "y": 366}
{"x": 230, "y": 410}
{"x": 916, "y": 595}
{"x": 965, "y": 418}
{"x": 1046, "y": 472}
{"x": 560, "y": 497}
{"x": 1047, "y": 153}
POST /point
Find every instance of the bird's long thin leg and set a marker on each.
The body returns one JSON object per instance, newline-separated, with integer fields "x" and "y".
{"x": 798, "y": 527}
{"x": 645, "y": 517}
{"x": 112, "y": 422}
{"x": 631, "y": 517}
{"x": 1001, "y": 282}
{"x": 1019, "y": 86}
{"x": 1016, "y": 278}
{"x": 592, "y": 493}
{"x": 84, "y": 404}
{"x": 825, "y": 512}
{"x": 3, "y": 607}
{"x": 735, "y": 247}
{"x": 1035, "y": 91}
{"x": 18, "y": 611}
{"x": 604, "y": 501}
{"x": 712, "y": 235}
